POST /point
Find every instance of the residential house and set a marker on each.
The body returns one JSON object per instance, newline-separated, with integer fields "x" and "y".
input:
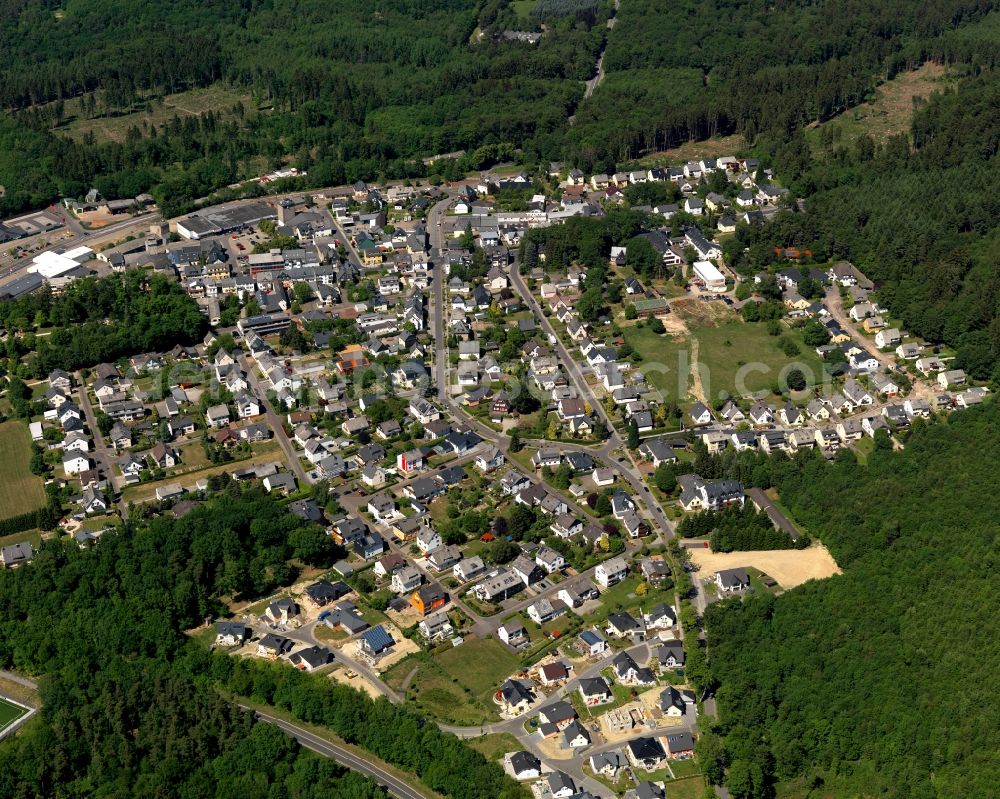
{"x": 595, "y": 691}
{"x": 611, "y": 572}
{"x": 545, "y": 610}
{"x": 499, "y": 586}
{"x": 670, "y": 654}
{"x": 217, "y": 416}
{"x": 406, "y": 579}
{"x": 678, "y": 744}
{"x": 375, "y": 643}
{"x": 429, "y": 598}
{"x": 513, "y": 633}
{"x": 623, "y": 625}
{"x": 553, "y": 673}
{"x": 515, "y": 696}
{"x": 575, "y": 736}
{"x": 436, "y": 626}
{"x": 700, "y": 414}
{"x": 732, "y": 580}
{"x": 594, "y": 644}
{"x": 699, "y": 494}
{"x": 468, "y": 568}
{"x": 231, "y": 633}
{"x": 428, "y": 540}
{"x": 645, "y": 753}
{"x": 525, "y": 766}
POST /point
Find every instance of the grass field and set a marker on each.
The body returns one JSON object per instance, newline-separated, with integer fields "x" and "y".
{"x": 666, "y": 361}
{"x": 20, "y": 490}
{"x": 9, "y": 713}
{"x": 496, "y": 745}
{"x": 889, "y": 113}
{"x": 154, "y": 113}
{"x": 742, "y": 357}
{"x": 458, "y": 684}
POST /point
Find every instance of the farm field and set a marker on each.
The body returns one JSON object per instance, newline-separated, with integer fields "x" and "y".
{"x": 20, "y": 490}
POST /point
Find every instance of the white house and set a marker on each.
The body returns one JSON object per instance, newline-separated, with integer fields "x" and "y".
{"x": 74, "y": 463}
{"x": 611, "y": 572}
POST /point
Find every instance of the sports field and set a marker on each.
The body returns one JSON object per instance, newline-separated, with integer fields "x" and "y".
{"x": 9, "y": 713}
{"x": 20, "y": 490}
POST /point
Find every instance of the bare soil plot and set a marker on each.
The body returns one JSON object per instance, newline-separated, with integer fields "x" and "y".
{"x": 699, "y": 313}
{"x": 358, "y": 682}
{"x": 790, "y": 567}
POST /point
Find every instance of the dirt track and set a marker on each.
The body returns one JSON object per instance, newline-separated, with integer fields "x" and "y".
{"x": 790, "y": 567}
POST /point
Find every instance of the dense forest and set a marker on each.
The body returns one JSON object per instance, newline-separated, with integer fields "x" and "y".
{"x": 96, "y": 320}
{"x": 878, "y": 682}
{"x": 738, "y": 529}
{"x": 368, "y": 89}
{"x": 131, "y": 704}
{"x": 351, "y": 91}
{"x": 136, "y": 728}
{"x": 694, "y": 69}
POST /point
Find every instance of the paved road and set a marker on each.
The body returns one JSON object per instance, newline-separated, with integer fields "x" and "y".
{"x": 274, "y": 420}
{"x": 436, "y": 238}
{"x": 343, "y": 756}
{"x": 306, "y": 634}
{"x": 23, "y": 681}
{"x": 627, "y": 470}
{"x": 835, "y": 305}
{"x": 102, "y": 452}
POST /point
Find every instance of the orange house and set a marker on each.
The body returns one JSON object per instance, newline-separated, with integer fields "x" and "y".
{"x": 351, "y": 357}
{"x": 429, "y": 598}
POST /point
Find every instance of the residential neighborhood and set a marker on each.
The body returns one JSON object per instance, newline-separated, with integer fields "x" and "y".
{"x": 395, "y": 368}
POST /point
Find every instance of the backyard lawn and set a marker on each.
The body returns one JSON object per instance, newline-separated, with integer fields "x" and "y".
{"x": 20, "y": 490}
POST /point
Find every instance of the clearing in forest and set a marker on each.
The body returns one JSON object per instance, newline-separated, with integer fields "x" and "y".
{"x": 889, "y": 113}
{"x": 155, "y": 112}
{"x": 695, "y": 150}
